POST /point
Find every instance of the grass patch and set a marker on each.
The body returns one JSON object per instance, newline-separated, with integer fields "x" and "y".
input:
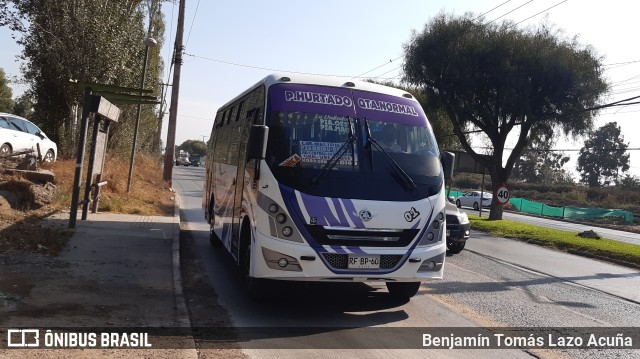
{"x": 149, "y": 194}
{"x": 563, "y": 240}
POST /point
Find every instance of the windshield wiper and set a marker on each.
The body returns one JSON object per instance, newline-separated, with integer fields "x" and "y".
{"x": 405, "y": 180}
{"x": 333, "y": 161}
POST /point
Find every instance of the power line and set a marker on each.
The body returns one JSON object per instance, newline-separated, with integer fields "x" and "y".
{"x": 379, "y": 76}
{"x": 492, "y": 10}
{"x": 375, "y": 68}
{"x": 401, "y": 56}
{"x": 549, "y": 8}
{"x": 260, "y": 67}
{"x": 192, "y": 21}
{"x": 564, "y": 149}
{"x": 532, "y": 16}
{"x": 611, "y": 104}
{"x": 500, "y": 17}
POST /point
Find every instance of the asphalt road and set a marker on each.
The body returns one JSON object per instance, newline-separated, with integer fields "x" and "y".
{"x": 485, "y": 286}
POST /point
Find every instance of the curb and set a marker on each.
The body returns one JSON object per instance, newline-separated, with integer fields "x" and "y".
{"x": 180, "y": 303}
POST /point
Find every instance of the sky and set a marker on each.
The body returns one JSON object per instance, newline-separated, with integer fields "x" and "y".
{"x": 231, "y": 45}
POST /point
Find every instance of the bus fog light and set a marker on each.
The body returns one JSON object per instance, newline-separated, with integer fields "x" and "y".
{"x": 430, "y": 236}
{"x": 287, "y": 231}
{"x": 283, "y": 262}
{"x": 281, "y": 218}
{"x": 430, "y": 264}
{"x": 273, "y": 208}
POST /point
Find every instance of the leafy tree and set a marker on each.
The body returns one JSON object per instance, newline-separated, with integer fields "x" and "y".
{"x": 87, "y": 41}
{"x": 194, "y": 147}
{"x": 629, "y": 183}
{"x": 603, "y": 156}
{"x": 498, "y": 78}
{"x": 540, "y": 165}
{"x": 23, "y": 106}
{"x": 6, "y": 103}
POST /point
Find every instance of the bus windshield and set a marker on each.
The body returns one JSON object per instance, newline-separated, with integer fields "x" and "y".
{"x": 304, "y": 139}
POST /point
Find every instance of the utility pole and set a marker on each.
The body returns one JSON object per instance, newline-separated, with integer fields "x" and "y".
{"x": 148, "y": 43}
{"x": 173, "y": 110}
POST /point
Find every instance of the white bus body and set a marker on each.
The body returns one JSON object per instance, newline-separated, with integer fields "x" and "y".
{"x": 330, "y": 197}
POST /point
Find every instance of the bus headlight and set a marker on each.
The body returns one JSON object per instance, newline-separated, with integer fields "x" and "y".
{"x": 433, "y": 232}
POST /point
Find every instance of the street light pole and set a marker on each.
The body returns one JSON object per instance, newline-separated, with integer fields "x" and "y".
{"x": 148, "y": 43}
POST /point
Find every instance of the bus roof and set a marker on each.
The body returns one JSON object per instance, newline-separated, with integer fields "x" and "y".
{"x": 277, "y": 78}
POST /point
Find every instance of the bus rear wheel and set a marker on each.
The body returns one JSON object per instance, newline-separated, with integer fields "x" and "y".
{"x": 403, "y": 290}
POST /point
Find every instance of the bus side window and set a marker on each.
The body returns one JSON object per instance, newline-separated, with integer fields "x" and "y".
{"x": 239, "y": 113}
{"x": 224, "y": 117}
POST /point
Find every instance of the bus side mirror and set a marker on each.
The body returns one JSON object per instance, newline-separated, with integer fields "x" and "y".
{"x": 446, "y": 158}
{"x": 257, "y": 146}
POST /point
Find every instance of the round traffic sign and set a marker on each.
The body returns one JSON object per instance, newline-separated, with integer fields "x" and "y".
{"x": 503, "y": 194}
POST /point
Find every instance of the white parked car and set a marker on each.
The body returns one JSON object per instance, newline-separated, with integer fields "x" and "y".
{"x": 472, "y": 199}
{"x": 17, "y": 134}
{"x": 458, "y": 228}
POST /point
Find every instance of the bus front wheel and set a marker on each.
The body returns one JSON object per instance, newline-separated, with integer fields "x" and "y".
{"x": 403, "y": 290}
{"x": 254, "y": 285}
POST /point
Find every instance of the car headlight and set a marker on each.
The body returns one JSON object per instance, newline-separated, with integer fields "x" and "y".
{"x": 463, "y": 218}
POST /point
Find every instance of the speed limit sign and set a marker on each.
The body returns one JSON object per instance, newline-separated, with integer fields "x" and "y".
{"x": 503, "y": 194}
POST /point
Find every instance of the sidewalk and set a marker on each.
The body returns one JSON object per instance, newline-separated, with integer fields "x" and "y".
{"x": 116, "y": 271}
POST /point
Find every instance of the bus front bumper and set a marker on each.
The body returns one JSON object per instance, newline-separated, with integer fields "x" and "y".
{"x": 278, "y": 259}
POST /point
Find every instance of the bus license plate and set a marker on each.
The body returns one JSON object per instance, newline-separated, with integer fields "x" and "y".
{"x": 364, "y": 261}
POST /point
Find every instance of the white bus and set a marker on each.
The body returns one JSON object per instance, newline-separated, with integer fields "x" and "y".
{"x": 318, "y": 179}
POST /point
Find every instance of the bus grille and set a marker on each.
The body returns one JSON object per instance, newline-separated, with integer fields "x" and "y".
{"x": 362, "y": 238}
{"x": 340, "y": 260}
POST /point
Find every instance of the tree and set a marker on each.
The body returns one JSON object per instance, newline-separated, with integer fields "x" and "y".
{"x": 603, "y": 156}
{"x": 23, "y": 106}
{"x": 87, "y": 41}
{"x": 194, "y": 147}
{"x": 6, "y": 103}
{"x": 497, "y": 78}
{"x": 541, "y": 165}
{"x": 629, "y": 183}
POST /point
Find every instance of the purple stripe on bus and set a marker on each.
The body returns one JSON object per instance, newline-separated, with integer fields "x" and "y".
{"x": 416, "y": 225}
{"x": 338, "y": 249}
{"x": 341, "y": 216}
{"x": 352, "y": 213}
{"x": 291, "y": 202}
{"x": 318, "y": 207}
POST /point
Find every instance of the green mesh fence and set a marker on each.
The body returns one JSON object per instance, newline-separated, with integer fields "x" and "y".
{"x": 574, "y": 213}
